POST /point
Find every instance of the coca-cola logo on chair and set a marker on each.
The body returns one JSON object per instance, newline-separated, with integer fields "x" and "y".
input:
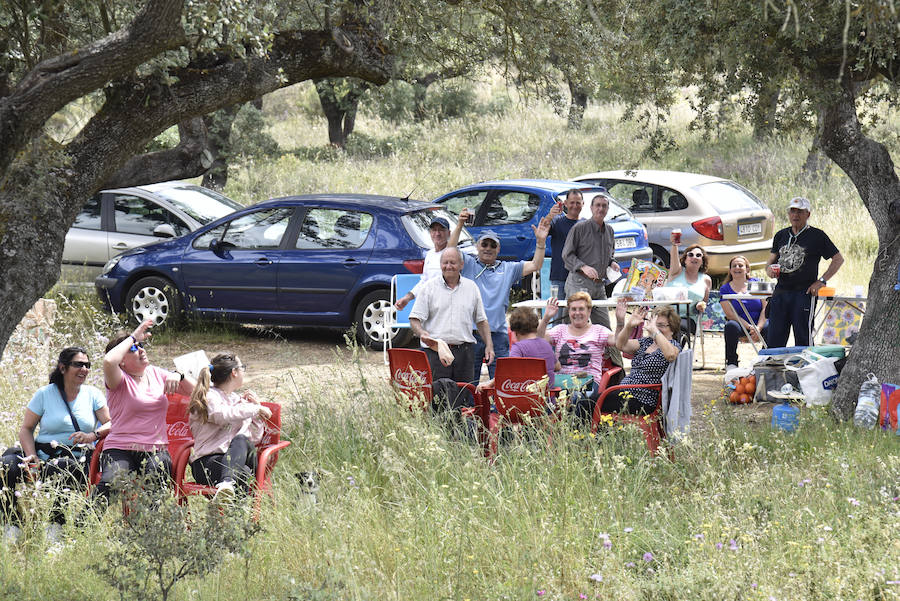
{"x": 409, "y": 378}
{"x": 178, "y": 430}
{"x": 516, "y": 388}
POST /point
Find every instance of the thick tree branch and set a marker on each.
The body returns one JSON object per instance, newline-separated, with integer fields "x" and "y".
{"x": 59, "y": 80}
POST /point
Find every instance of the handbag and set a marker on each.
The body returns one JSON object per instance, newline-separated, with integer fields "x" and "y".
{"x": 818, "y": 378}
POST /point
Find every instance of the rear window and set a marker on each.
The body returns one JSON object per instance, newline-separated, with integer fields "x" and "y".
{"x": 417, "y": 224}
{"x": 202, "y": 204}
{"x": 728, "y": 197}
{"x": 616, "y": 211}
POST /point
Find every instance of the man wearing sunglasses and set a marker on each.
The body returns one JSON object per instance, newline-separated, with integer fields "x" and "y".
{"x": 587, "y": 254}
{"x": 494, "y": 280}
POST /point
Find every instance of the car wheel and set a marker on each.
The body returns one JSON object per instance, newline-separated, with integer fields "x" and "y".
{"x": 660, "y": 256}
{"x": 372, "y": 314}
{"x": 153, "y": 298}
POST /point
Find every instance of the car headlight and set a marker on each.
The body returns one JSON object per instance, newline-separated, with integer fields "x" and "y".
{"x": 110, "y": 265}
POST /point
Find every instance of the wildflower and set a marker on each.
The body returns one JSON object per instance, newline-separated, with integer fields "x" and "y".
{"x": 607, "y": 544}
{"x": 598, "y": 577}
{"x": 732, "y": 544}
{"x": 629, "y": 529}
{"x": 827, "y": 528}
{"x": 853, "y": 501}
{"x": 54, "y": 444}
{"x": 541, "y": 593}
{"x": 648, "y": 556}
{"x": 698, "y": 536}
{"x": 18, "y": 493}
{"x": 719, "y": 546}
{"x": 582, "y": 596}
{"x": 351, "y": 481}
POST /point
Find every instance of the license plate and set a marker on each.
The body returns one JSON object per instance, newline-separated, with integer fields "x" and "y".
{"x": 628, "y": 242}
{"x": 749, "y": 228}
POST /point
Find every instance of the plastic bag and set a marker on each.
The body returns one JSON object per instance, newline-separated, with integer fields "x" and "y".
{"x": 818, "y": 378}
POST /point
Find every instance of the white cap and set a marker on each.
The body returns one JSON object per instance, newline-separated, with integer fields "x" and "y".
{"x": 798, "y": 202}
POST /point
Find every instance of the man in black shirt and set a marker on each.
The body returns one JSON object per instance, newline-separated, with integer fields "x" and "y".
{"x": 796, "y": 251}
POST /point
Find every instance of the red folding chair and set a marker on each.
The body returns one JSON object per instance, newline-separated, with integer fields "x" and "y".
{"x": 266, "y": 457}
{"x": 650, "y": 424}
{"x": 411, "y": 377}
{"x": 515, "y": 403}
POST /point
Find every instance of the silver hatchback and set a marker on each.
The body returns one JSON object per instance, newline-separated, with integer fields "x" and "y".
{"x": 114, "y": 221}
{"x": 720, "y": 215}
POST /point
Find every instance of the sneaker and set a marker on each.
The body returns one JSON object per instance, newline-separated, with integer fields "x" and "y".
{"x": 224, "y": 490}
{"x": 11, "y": 534}
{"x": 53, "y": 533}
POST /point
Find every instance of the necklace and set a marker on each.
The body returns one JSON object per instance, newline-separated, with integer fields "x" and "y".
{"x": 792, "y": 237}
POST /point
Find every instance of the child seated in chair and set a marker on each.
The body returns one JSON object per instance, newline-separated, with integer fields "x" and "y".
{"x": 226, "y": 426}
{"x": 524, "y": 324}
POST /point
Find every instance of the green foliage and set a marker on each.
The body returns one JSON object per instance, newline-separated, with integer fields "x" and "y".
{"x": 250, "y": 134}
{"x": 160, "y": 543}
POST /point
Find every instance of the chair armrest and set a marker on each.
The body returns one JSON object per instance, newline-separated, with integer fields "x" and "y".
{"x": 265, "y": 456}
{"x": 180, "y": 461}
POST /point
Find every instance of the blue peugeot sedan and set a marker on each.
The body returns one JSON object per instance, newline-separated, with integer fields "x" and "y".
{"x": 511, "y": 207}
{"x": 324, "y": 260}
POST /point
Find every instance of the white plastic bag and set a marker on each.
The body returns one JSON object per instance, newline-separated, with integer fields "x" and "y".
{"x": 818, "y": 378}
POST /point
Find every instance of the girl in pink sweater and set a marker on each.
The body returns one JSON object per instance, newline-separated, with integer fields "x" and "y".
{"x": 226, "y": 426}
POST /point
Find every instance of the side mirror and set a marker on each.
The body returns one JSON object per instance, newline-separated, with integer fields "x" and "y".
{"x": 214, "y": 245}
{"x": 164, "y": 230}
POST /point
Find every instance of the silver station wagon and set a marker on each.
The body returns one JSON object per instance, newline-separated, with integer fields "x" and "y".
{"x": 720, "y": 215}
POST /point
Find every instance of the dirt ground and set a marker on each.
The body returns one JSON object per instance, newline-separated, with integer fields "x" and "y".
{"x": 286, "y": 364}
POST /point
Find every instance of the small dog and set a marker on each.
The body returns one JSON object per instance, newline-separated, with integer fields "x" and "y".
{"x": 309, "y": 486}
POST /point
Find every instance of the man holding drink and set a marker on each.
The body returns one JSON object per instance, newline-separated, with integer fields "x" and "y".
{"x": 794, "y": 261}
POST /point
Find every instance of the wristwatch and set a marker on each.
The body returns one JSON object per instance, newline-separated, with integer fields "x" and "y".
{"x": 824, "y": 281}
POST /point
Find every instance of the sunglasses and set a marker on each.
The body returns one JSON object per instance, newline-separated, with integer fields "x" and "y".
{"x": 80, "y": 364}
{"x": 134, "y": 347}
{"x": 488, "y": 244}
{"x": 698, "y": 255}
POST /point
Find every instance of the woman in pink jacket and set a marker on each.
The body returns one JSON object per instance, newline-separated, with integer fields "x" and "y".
{"x": 226, "y": 426}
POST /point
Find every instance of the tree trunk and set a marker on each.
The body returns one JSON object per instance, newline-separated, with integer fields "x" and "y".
{"x": 765, "y": 112}
{"x": 577, "y": 105}
{"x": 340, "y": 101}
{"x": 219, "y": 125}
{"x": 871, "y": 169}
{"x": 817, "y": 166}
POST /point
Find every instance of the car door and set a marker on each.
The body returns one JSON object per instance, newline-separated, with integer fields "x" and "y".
{"x": 137, "y": 221}
{"x": 327, "y": 259}
{"x": 232, "y": 269}
{"x": 86, "y": 249}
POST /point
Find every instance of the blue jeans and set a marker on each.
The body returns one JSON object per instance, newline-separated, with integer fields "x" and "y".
{"x": 501, "y": 349}
{"x": 789, "y": 309}
{"x": 733, "y": 333}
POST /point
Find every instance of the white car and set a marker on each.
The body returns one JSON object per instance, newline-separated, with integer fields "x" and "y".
{"x": 114, "y": 221}
{"x": 720, "y": 215}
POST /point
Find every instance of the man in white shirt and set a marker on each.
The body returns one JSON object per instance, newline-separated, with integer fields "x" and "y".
{"x": 446, "y": 310}
{"x": 440, "y": 233}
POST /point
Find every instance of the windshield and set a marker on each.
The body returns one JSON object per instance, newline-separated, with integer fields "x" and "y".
{"x": 417, "y": 224}
{"x": 202, "y": 204}
{"x": 728, "y": 197}
{"x": 616, "y": 211}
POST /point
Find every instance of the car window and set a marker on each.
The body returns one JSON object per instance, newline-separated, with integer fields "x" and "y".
{"x": 334, "y": 228}
{"x": 636, "y": 196}
{"x": 511, "y": 207}
{"x": 417, "y": 225}
{"x": 465, "y": 200}
{"x": 254, "y": 231}
{"x": 89, "y": 217}
{"x": 202, "y": 204}
{"x": 616, "y": 211}
{"x": 135, "y": 215}
{"x": 728, "y": 197}
{"x": 672, "y": 200}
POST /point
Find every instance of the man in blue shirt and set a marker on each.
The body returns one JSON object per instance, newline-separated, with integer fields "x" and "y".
{"x": 494, "y": 279}
{"x": 560, "y": 224}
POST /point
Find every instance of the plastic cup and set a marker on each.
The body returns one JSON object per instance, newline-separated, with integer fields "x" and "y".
{"x": 859, "y": 291}
{"x": 554, "y": 291}
{"x": 776, "y": 269}
{"x": 676, "y": 236}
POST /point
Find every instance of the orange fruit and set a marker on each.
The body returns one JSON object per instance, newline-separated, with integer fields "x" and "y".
{"x": 740, "y": 387}
{"x": 752, "y": 380}
{"x": 750, "y": 389}
{"x": 734, "y": 397}
{"x": 744, "y": 399}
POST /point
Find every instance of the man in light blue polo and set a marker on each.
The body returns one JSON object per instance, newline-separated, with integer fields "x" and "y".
{"x": 494, "y": 279}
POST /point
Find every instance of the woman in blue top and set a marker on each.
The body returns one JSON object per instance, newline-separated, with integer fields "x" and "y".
{"x": 689, "y": 271}
{"x": 53, "y": 452}
{"x": 752, "y": 315}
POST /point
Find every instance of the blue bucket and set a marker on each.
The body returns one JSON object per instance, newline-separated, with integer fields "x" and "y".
{"x": 785, "y": 417}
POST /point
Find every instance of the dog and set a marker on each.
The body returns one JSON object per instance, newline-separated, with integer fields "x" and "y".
{"x": 309, "y": 487}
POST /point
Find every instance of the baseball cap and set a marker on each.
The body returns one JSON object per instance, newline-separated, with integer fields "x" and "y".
{"x": 440, "y": 221}
{"x": 488, "y": 235}
{"x": 798, "y": 202}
